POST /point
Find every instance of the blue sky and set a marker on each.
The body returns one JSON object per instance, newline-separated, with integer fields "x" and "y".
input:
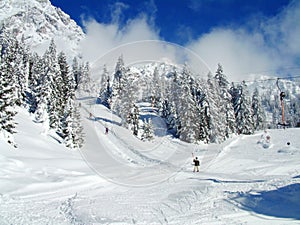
{"x": 244, "y": 36}
{"x": 178, "y": 21}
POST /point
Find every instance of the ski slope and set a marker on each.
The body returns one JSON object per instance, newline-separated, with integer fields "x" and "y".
{"x": 118, "y": 179}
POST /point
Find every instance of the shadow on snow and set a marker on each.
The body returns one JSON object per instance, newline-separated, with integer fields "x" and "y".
{"x": 281, "y": 203}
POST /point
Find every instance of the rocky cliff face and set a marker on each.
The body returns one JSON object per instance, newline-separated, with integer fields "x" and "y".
{"x": 37, "y": 21}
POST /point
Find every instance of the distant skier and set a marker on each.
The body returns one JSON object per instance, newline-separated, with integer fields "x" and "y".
{"x": 106, "y": 130}
{"x": 265, "y": 139}
{"x": 196, "y": 163}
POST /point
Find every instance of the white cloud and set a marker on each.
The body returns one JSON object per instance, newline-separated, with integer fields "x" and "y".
{"x": 266, "y": 46}
{"x": 238, "y": 52}
{"x": 284, "y": 30}
{"x": 101, "y": 38}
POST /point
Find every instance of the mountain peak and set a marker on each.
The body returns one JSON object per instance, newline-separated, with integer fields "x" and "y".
{"x": 38, "y": 22}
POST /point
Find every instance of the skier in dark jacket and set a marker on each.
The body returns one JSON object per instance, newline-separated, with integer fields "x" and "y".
{"x": 196, "y": 164}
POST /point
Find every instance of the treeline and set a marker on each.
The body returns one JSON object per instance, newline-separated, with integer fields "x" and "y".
{"x": 195, "y": 110}
{"x": 45, "y": 85}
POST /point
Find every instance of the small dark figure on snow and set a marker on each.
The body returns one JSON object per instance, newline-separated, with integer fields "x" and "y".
{"x": 106, "y": 130}
{"x": 196, "y": 164}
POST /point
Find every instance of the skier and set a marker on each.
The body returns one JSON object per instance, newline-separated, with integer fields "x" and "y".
{"x": 106, "y": 130}
{"x": 265, "y": 139}
{"x": 196, "y": 164}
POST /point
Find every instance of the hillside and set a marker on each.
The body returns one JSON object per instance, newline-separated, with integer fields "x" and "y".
{"x": 118, "y": 179}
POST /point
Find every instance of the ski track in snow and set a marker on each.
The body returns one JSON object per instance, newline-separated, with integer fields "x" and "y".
{"x": 240, "y": 182}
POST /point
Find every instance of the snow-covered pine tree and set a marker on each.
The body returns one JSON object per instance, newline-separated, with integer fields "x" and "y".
{"x": 124, "y": 92}
{"x": 84, "y": 81}
{"x": 202, "y": 132}
{"x": 118, "y": 75}
{"x": 186, "y": 107}
{"x": 37, "y": 84}
{"x": 133, "y": 119}
{"x": 45, "y": 84}
{"x": 258, "y": 113}
{"x": 76, "y": 72}
{"x": 148, "y": 130}
{"x": 77, "y": 128}
{"x": 7, "y": 88}
{"x": 66, "y": 82}
{"x": 155, "y": 88}
{"x": 105, "y": 93}
{"x": 165, "y": 106}
{"x": 217, "y": 112}
{"x": 20, "y": 70}
{"x": 242, "y": 108}
{"x": 225, "y": 101}
{"x": 68, "y": 78}
{"x": 173, "y": 93}
{"x": 70, "y": 128}
{"x": 54, "y": 80}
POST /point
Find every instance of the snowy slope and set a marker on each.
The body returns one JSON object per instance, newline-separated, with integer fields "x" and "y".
{"x": 38, "y": 22}
{"x": 118, "y": 179}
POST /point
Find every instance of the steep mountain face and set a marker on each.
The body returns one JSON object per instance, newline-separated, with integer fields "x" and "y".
{"x": 37, "y": 21}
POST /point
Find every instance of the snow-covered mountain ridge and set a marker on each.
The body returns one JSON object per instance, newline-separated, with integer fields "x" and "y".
{"x": 37, "y": 21}
{"x": 274, "y": 84}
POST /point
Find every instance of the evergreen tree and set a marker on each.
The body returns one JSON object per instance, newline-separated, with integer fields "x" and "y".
{"x": 147, "y": 130}
{"x": 76, "y": 72}
{"x": 133, "y": 119}
{"x": 36, "y": 81}
{"x": 242, "y": 109}
{"x": 173, "y": 94}
{"x": 45, "y": 72}
{"x": 118, "y": 75}
{"x": 225, "y": 105}
{"x": 166, "y": 107}
{"x": 202, "y": 132}
{"x": 105, "y": 93}
{"x": 216, "y": 111}
{"x": 186, "y": 107}
{"x": 258, "y": 113}
{"x": 70, "y": 128}
{"x": 204, "y": 124}
{"x": 155, "y": 88}
{"x": 84, "y": 80}
{"x": 125, "y": 92}
{"x": 23, "y": 72}
{"x": 7, "y": 88}
{"x": 52, "y": 86}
